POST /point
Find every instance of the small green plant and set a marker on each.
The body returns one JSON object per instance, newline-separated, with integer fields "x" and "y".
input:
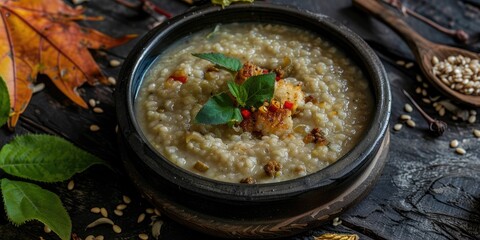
{"x": 40, "y": 158}
{"x": 222, "y": 108}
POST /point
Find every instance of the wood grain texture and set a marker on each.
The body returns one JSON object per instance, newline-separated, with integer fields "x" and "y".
{"x": 426, "y": 191}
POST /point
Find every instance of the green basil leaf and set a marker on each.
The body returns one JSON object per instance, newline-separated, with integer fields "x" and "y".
{"x": 44, "y": 158}
{"x": 219, "y": 109}
{"x": 27, "y": 201}
{"x": 237, "y": 116}
{"x": 238, "y": 91}
{"x": 4, "y": 102}
{"x": 221, "y": 60}
{"x": 259, "y": 89}
{"x": 225, "y": 3}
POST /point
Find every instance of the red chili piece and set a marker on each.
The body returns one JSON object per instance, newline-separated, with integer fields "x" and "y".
{"x": 245, "y": 113}
{"x": 265, "y": 71}
{"x": 277, "y": 78}
{"x": 288, "y": 105}
{"x": 182, "y": 79}
{"x": 272, "y": 108}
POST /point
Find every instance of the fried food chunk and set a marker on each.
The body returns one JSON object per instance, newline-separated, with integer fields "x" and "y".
{"x": 316, "y": 136}
{"x": 248, "y": 180}
{"x": 285, "y": 91}
{"x": 249, "y": 69}
{"x": 272, "y": 167}
{"x": 277, "y": 122}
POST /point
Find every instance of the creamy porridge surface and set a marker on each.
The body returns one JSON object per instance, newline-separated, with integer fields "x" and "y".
{"x": 336, "y": 104}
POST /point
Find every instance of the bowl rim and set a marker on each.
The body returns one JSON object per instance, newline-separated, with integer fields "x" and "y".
{"x": 348, "y": 164}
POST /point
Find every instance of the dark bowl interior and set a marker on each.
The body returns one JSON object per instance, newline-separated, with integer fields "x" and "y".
{"x": 157, "y": 168}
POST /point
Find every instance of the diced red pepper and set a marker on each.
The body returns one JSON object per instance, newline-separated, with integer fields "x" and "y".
{"x": 277, "y": 78}
{"x": 265, "y": 71}
{"x": 182, "y": 79}
{"x": 288, "y": 105}
{"x": 245, "y": 113}
{"x": 272, "y": 108}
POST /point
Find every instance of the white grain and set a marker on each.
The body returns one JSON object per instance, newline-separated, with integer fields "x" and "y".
{"x": 476, "y": 133}
{"x": 115, "y": 63}
{"x": 104, "y": 212}
{"x": 140, "y": 218}
{"x": 398, "y": 127}
{"x": 97, "y": 110}
{"x": 405, "y": 117}
{"x": 92, "y": 102}
{"x": 408, "y": 108}
{"x": 118, "y": 212}
{"x": 143, "y": 236}
{"x": 117, "y": 229}
{"x": 411, "y": 123}
{"x": 121, "y": 206}
{"x": 94, "y": 128}
{"x": 112, "y": 80}
{"x": 125, "y": 198}
{"x": 95, "y": 210}
{"x": 70, "y": 185}
{"x": 454, "y": 143}
{"x": 460, "y": 151}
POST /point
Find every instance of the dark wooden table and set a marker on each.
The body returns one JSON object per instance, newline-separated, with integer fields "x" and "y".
{"x": 426, "y": 191}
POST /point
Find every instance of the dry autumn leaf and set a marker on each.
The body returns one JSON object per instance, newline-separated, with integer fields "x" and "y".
{"x": 40, "y": 36}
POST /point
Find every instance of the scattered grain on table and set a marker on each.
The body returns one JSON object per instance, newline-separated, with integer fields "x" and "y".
{"x": 99, "y": 237}
{"x": 156, "y": 228}
{"x": 141, "y": 217}
{"x": 454, "y": 143}
{"x": 121, "y": 206}
{"x": 460, "y": 151}
{"x": 419, "y": 78}
{"x": 400, "y": 63}
{"x": 126, "y": 199}
{"x": 117, "y": 229}
{"x": 90, "y": 237}
{"x": 70, "y": 185}
{"x": 411, "y": 123}
{"x": 405, "y": 117}
{"x": 472, "y": 119}
{"x": 46, "y": 229}
{"x": 143, "y": 236}
{"x": 92, "y": 102}
{"x": 95, "y": 210}
{"x": 115, "y": 63}
{"x": 94, "y": 128}
{"x": 409, "y": 65}
{"x": 97, "y": 110}
{"x": 476, "y": 133}
{"x": 397, "y": 127}
{"x": 104, "y": 212}
{"x": 408, "y": 108}
{"x": 157, "y": 212}
{"x": 112, "y": 80}
{"x": 149, "y": 210}
{"x": 118, "y": 212}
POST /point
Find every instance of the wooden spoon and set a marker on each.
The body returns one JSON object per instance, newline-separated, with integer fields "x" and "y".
{"x": 423, "y": 49}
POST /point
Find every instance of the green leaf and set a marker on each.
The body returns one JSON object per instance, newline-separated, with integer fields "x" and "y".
{"x": 27, "y": 201}
{"x": 259, "y": 89}
{"x": 4, "y": 102}
{"x": 44, "y": 158}
{"x": 219, "y": 109}
{"x": 238, "y": 91}
{"x": 225, "y": 3}
{"x": 221, "y": 60}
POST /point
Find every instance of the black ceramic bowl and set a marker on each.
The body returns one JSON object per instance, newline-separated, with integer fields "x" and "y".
{"x": 243, "y": 210}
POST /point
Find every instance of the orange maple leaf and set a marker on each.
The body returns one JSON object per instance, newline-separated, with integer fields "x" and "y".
{"x": 40, "y": 36}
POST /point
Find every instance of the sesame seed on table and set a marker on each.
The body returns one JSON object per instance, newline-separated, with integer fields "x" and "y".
{"x": 428, "y": 189}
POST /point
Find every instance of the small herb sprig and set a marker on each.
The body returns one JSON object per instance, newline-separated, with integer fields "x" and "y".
{"x": 222, "y": 108}
{"x": 40, "y": 158}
